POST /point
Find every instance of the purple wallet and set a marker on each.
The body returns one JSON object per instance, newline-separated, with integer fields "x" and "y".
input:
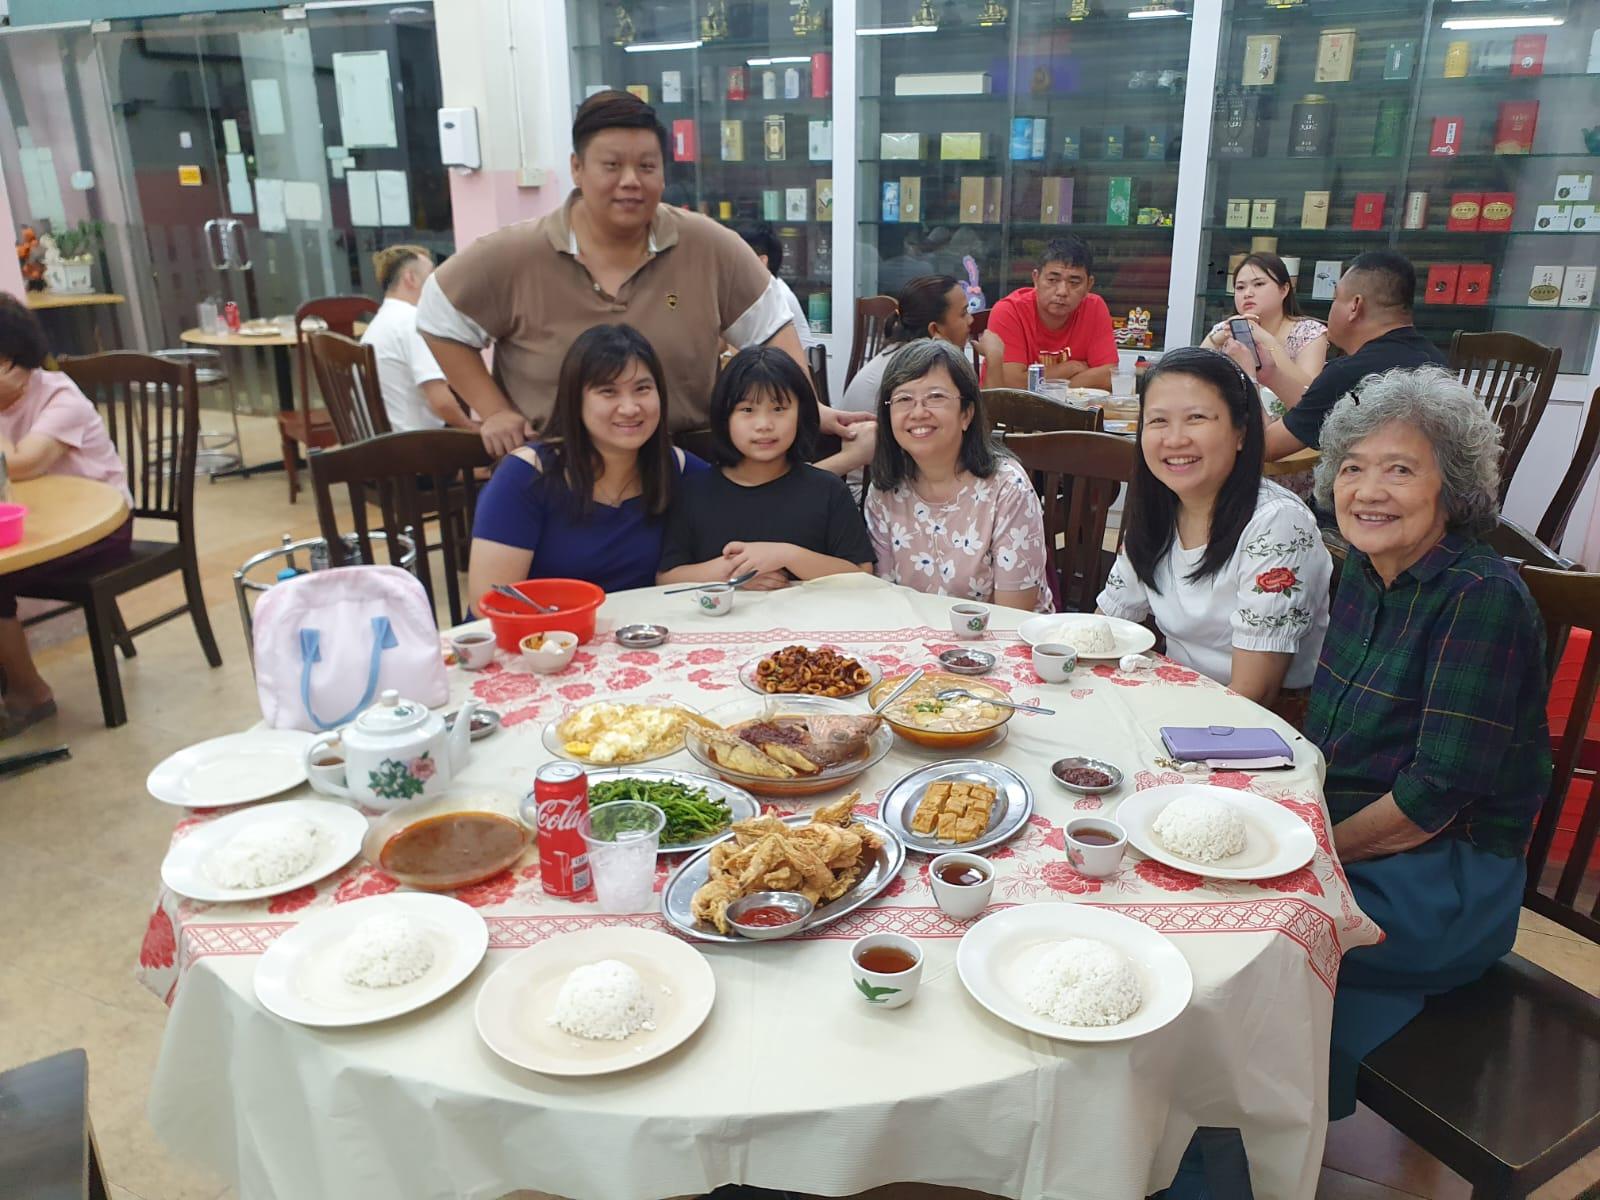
{"x": 1198, "y": 743}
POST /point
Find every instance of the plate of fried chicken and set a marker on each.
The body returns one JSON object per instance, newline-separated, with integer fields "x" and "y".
{"x": 833, "y": 857}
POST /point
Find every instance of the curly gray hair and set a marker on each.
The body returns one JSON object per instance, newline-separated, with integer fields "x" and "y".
{"x": 1465, "y": 441}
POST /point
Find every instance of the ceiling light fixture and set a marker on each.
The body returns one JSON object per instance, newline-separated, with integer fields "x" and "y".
{"x": 889, "y": 30}
{"x": 1143, "y": 14}
{"x": 1502, "y": 22}
{"x": 653, "y": 47}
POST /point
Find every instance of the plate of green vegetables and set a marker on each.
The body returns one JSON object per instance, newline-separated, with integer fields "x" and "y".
{"x": 699, "y": 808}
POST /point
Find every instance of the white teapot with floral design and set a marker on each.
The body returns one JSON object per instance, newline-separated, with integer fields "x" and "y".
{"x": 395, "y": 752}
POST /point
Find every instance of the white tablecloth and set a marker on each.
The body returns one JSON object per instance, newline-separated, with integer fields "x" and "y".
{"x": 793, "y": 1082}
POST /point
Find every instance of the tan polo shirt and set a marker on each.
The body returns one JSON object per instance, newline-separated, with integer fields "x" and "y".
{"x": 523, "y": 289}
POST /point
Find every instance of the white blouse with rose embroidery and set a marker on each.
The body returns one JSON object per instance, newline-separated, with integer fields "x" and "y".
{"x": 1272, "y": 594}
{"x": 989, "y": 537}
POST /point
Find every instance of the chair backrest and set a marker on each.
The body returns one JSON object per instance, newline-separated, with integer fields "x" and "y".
{"x": 1584, "y": 457}
{"x": 390, "y": 470}
{"x": 980, "y": 325}
{"x": 1016, "y": 410}
{"x": 340, "y": 314}
{"x": 817, "y": 362}
{"x": 347, "y": 374}
{"x": 1078, "y": 476}
{"x": 1515, "y": 418}
{"x": 872, "y": 317}
{"x": 47, "y": 1146}
{"x": 1568, "y": 891}
{"x": 1494, "y": 365}
{"x": 1515, "y": 544}
{"x": 152, "y": 411}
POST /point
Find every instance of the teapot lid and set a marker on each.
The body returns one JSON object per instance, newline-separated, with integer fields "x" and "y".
{"x": 391, "y": 714}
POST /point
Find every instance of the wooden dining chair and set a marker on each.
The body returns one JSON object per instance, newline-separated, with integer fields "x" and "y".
{"x": 1585, "y": 456}
{"x": 152, "y": 412}
{"x": 1448, "y": 1079}
{"x": 817, "y": 364}
{"x": 1078, "y": 476}
{"x": 980, "y": 325}
{"x": 1016, "y": 410}
{"x": 408, "y": 478}
{"x": 306, "y": 424}
{"x": 47, "y": 1142}
{"x": 866, "y": 339}
{"x": 347, "y": 376}
{"x": 1496, "y": 365}
{"x": 1516, "y": 545}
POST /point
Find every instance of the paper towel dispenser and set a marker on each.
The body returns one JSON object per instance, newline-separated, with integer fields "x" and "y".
{"x": 458, "y": 138}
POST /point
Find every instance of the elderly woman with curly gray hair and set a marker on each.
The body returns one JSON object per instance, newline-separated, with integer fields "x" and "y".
{"x": 1428, "y": 703}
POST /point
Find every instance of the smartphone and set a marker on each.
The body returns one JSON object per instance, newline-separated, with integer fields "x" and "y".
{"x": 1240, "y": 328}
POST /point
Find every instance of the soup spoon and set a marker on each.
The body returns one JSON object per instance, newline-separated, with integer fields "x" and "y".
{"x": 736, "y": 581}
{"x": 511, "y": 593}
{"x": 963, "y": 694}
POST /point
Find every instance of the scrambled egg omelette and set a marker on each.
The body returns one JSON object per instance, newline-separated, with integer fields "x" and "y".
{"x": 621, "y": 733}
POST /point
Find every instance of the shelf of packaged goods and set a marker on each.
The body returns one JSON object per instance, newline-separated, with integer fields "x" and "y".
{"x": 1424, "y": 310}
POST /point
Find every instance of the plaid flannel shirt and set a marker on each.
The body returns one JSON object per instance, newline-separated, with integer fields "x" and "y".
{"x": 1434, "y": 688}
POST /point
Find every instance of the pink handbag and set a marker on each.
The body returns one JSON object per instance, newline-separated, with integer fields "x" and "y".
{"x": 329, "y": 641}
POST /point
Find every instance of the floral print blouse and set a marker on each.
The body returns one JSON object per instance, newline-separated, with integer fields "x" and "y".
{"x": 989, "y": 537}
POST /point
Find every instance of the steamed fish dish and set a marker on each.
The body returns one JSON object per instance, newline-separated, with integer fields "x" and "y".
{"x": 822, "y": 861}
{"x": 603, "y": 1001}
{"x": 1201, "y": 829}
{"x": 1080, "y": 981}
{"x": 788, "y": 745}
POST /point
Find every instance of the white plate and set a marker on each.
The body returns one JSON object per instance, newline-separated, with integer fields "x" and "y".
{"x": 747, "y": 676}
{"x": 553, "y": 742}
{"x": 515, "y": 1003}
{"x": 741, "y": 804}
{"x": 340, "y": 829}
{"x": 997, "y": 954}
{"x": 1131, "y": 638}
{"x": 235, "y": 769}
{"x": 1275, "y": 840}
{"x": 1083, "y": 395}
{"x": 299, "y": 977}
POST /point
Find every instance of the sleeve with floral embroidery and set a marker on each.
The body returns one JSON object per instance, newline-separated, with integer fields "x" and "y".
{"x": 1018, "y": 539}
{"x": 1283, "y": 571}
{"x": 1124, "y": 594}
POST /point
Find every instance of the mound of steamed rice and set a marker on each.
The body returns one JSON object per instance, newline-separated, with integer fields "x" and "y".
{"x": 1093, "y": 636}
{"x": 1083, "y": 982}
{"x": 603, "y": 1001}
{"x": 1202, "y": 829}
{"x": 384, "y": 951}
{"x": 264, "y": 854}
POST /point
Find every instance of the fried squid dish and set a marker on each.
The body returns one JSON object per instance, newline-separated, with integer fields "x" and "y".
{"x": 822, "y": 861}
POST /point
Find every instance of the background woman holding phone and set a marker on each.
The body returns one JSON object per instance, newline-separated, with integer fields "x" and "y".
{"x": 1270, "y": 318}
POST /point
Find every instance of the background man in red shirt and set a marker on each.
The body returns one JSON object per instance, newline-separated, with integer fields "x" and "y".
{"x": 1059, "y": 312}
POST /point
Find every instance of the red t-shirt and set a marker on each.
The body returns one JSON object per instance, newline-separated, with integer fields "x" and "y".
{"x": 1087, "y": 333}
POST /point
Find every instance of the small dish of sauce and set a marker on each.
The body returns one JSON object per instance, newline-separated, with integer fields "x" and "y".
{"x": 1084, "y": 777}
{"x": 958, "y": 874}
{"x": 767, "y": 916}
{"x": 885, "y": 960}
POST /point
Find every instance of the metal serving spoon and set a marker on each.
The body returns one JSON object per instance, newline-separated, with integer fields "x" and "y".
{"x": 963, "y": 694}
{"x": 511, "y": 593}
{"x": 899, "y": 690}
{"x": 736, "y": 581}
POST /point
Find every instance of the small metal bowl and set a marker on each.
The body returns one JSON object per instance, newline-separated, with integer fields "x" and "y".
{"x": 641, "y": 637}
{"x": 950, "y": 660}
{"x": 793, "y": 901}
{"x": 1097, "y": 764}
{"x": 484, "y": 722}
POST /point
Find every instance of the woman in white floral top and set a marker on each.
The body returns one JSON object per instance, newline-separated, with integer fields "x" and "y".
{"x": 947, "y": 512}
{"x": 1231, "y": 565}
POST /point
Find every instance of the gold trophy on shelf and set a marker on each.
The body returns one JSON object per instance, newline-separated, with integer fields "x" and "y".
{"x": 1078, "y": 10}
{"x": 805, "y": 22}
{"x": 925, "y": 14}
{"x": 622, "y": 35}
{"x": 994, "y": 13}
{"x": 714, "y": 25}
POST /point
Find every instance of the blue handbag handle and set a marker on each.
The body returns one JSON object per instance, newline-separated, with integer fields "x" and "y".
{"x": 311, "y": 653}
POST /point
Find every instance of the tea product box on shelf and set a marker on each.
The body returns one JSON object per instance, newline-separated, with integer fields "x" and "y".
{"x": 791, "y": 84}
{"x": 1499, "y": 209}
{"x": 1446, "y": 139}
{"x": 733, "y": 141}
{"x": 1314, "y": 210}
{"x": 1513, "y": 131}
{"x": 1336, "y": 54}
{"x": 1154, "y": 144}
{"x": 641, "y": 90}
{"x": 1443, "y": 280}
{"x": 991, "y": 199}
{"x": 1552, "y": 218}
{"x": 1577, "y": 287}
{"x": 1071, "y": 146}
{"x": 822, "y": 75}
{"x": 1260, "y": 60}
{"x": 738, "y": 83}
{"x": 961, "y": 147}
{"x": 1325, "y": 277}
{"x": 1574, "y": 187}
{"x": 910, "y": 199}
{"x": 1263, "y": 214}
{"x": 1311, "y": 128}
{"x": 1544, "y": 289}
{"x": 1055, "y": 201}
{"x": 672, "y": 87}
{"x": 775, "y": 138}
{"x": 1116, "y": 141}
{"x": 1472, "y": 287}
{"x": 1527, "y": 54}
{"x": 1585, "y": 218}
{"x": 1369, "y": 211}
{"x": 944, "y": 83}
{"x": 971, "y": 200}
{"x": 891, "y": 201}
{"x": 796, "y": 204}
{"x": 1465, "y": 209}
{"x": 1238, "y": 214}
{"x": 771, "y": 204}
{"x": 685, "y": 141}
{"x": 1416, "y": 211}
{"x": 900, "y": 145}
{"x": 1240, "y": 127}
{"x": 1399, "y": 60}
{"x": 1119, "y": 199}
{"x": 819, "y": 141}
{"x": 1389, "y": 131}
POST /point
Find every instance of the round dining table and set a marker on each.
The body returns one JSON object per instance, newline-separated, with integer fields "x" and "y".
{"x": 65, "y": 513}
{"x": 793, "y": 1081}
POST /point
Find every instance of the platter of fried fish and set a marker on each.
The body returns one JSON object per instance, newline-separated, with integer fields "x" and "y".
{"x": 833, "y": 857}
{"x": 789, "y": 745}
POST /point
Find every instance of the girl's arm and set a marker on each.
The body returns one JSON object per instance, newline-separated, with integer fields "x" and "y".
{"x": 713, "y": 570}
{"x": 1258, "y": 674}
{"x": 495, "y": 562}
{"x": 785, "y": 556}
{"x": 33, "y": 456}
{"x": 1024, "y": 599}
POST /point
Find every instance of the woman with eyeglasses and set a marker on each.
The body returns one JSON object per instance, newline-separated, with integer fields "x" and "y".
{"x": 949, "y": 513}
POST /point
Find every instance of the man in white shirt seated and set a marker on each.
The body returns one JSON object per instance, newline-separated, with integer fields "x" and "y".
{"x": 769, "y": 250}
{"x": 415, "y": 394}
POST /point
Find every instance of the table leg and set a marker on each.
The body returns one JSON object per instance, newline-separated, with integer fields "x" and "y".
{"x": 283, "y": 376}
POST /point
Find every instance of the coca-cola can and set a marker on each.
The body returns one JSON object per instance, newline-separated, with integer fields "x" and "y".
{"x": 230, "y": 314}
{"x": 561, "y": 802}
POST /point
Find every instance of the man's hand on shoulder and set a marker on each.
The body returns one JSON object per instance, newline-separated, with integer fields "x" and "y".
{"x": 503, "y": 432}
{"x": 839, "y": 423}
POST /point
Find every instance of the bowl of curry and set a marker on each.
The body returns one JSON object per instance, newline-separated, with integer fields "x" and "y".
{"x": 448, "y": 843}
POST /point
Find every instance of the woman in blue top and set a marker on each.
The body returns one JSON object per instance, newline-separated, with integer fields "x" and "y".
{"x": 589, "y": 500}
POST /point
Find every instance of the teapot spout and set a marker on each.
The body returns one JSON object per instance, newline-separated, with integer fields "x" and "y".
{"x": 460, "y": 744}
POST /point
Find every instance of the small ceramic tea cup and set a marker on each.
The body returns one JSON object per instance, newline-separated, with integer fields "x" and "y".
{"x": 547, "y": 653}
{"x": 1054, "y": 661}
{"x": 1095, "y": 846}
{"x": 327, "y": 765}
{"x": 969, "y": 620}
{"x": 885, "y": 989}
{"x": 474, "y": 651}
{"x": 714, "y": 600}
{"x": 963, "y": 901}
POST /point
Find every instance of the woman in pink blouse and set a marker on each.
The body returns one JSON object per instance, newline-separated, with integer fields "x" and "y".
{"x": 948, "y": 513}
{"x": 47, "y": 427}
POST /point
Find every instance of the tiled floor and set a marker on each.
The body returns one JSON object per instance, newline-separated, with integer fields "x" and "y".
{"x": 80, "y": 845}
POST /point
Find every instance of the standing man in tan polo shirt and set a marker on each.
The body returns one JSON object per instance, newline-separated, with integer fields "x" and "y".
{"x": 612, "y": 254}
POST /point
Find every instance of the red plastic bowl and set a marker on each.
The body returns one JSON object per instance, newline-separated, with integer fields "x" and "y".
{"x": 576, "y": 600}
{"x": 11, "y": 523}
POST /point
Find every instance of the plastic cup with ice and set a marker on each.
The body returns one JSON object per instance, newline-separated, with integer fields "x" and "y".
{"x": 622, "y": 838}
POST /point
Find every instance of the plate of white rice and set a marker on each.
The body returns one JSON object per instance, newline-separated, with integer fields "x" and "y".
{"x": 1074, "y": 972}
{"x": 371, "y": 959}
{"x": 1221, "y": 833}
{"x": 263, "y": 851}
{"x": 596, "y": 1001}
{"x": 1092, "y": 636}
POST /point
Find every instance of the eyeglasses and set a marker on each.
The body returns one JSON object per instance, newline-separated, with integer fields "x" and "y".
{"x": 930, "y": 400}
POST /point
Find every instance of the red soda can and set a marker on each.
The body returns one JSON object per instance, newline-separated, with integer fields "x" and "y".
{"x": 230, "y": 314}
{"x": 561, "y": 799}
